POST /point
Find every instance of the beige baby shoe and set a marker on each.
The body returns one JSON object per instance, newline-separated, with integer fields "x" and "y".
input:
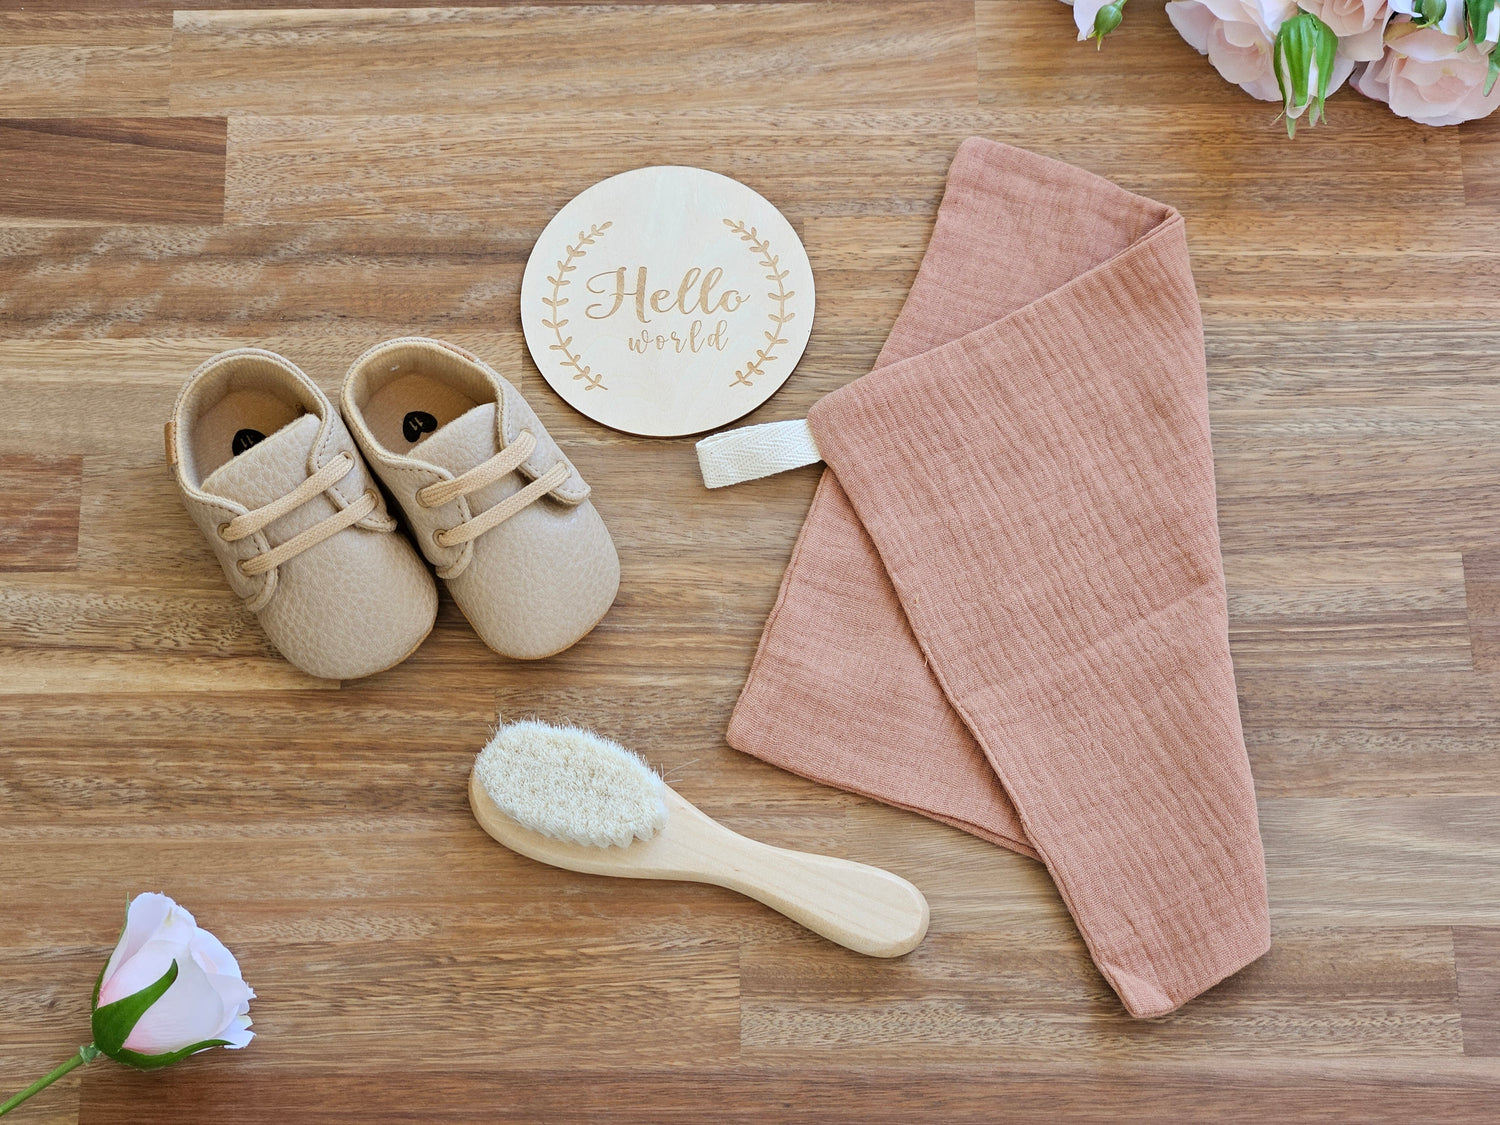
{"x": 272, "y": 478}
{"x": 492, "y": 501}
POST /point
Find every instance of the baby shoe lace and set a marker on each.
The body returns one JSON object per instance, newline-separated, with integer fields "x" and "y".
{"x": 506, "y": 461}
{"x": 325, "y": 478}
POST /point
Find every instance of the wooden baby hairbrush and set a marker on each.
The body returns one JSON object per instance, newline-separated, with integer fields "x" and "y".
{"x": 567, "y": 797}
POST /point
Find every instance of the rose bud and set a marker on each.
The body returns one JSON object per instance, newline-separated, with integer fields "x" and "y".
{"x": 170, "y": 989}
{"x": 1304, "y": 55}
{"x": 1107, "y": 19}
{"x": 1097, "y": 18}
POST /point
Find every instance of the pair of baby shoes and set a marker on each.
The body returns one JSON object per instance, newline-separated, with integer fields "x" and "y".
{"x": 281, "y": 485}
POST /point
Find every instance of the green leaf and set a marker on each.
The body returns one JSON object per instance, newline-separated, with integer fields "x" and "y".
{"x": 156, "y": 1062}
{"x": 113, "y": 1022}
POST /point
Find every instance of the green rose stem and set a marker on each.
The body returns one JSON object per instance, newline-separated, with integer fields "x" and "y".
{"x": 111, "y": 1024}
{"x": 84, "y": 1056}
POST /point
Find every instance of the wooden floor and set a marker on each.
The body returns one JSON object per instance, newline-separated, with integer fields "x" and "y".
{"x": 177, "y": 182}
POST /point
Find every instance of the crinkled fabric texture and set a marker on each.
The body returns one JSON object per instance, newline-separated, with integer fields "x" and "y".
{"x": 1006, "y": 608}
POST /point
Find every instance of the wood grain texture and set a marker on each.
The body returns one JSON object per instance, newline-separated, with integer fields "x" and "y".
{"x": 1477, "y": 951}
{"x": 981, "y": 1095}
{"x": 68, "y": 63}
{"x": 1482, "y": 600}
{"x": 663, "y": 57}
{"x": 39, "y": 500}
{"x": 1480, "y": 149}
{"x": 368, "y": 170}
{"x": 114, "y": 169}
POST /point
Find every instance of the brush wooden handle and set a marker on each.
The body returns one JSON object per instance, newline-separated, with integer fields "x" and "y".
{"x": 863, "y": 908}
{"x": 860, "y": 907}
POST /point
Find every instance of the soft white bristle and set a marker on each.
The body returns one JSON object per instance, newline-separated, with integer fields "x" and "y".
{"x": 571, "y": 784}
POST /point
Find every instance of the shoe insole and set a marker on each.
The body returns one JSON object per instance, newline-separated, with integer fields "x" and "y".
{"x": 410, "y": 407}
{"x": 236, "y": 422}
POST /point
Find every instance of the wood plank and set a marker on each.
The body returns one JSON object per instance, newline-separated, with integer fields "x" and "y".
{"x": 511, "y": 993}
{"x": 281, "y": 172}
{"x": 348, "y": 279}
{"x": 1318, "y": 993}
{"x": 26, "y": 672}
{"x": 1398, "y": 861}
{"x": 971, "y": 885}
{"x": 1342, "y": 608}
{"x": 1380, "y": 732}
{"x": 446, "y": 275}
{"x": 1476, "y": 951}
{"x": 664, "y": 58}
{"x": 291, "y": 166}
{"x": 122, "y": 614}
{"x": 74, "y": 63}
{"x": 358, "y": 279}
{"x": 39, "y": 501}
{"x": 147, "y": 170}
{"x": 378, "y": 752}
{"x": 1343, "y": 436}
{"x": 232, "y": 1092}
{"x": 1479, "y": 144}
{"x": 1482, "y": 587}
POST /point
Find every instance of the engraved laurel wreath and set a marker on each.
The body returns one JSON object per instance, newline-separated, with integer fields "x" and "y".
{"x": 779, "y": 318}
{"x": 593, "y": 380}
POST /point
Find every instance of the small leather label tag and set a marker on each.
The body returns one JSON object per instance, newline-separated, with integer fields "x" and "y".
{"x": 169, "y": 433}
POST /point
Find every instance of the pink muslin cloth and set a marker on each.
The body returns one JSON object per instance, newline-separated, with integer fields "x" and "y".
{"x": 1006, "y": 608}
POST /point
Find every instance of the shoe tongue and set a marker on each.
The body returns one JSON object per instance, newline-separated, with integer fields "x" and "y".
{"x": 269, "y": 469}
{"x": 465, "y": 442}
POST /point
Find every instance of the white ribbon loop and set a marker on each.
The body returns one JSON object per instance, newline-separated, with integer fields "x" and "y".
{"x": 752, "y": 452}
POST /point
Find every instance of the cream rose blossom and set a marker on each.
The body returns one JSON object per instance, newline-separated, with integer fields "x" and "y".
{"x": 1424, "y": 76}
{"x": 1237, "y": 36}
{"x": 1359, "y": 24}
{"x": 208, "y": 999}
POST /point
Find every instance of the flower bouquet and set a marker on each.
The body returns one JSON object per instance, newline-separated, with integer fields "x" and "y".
{"x": 1434, "y": 61}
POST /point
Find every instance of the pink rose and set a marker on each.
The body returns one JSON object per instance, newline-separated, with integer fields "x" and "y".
{"x": 1237, "y": 36}
{"x": 1425, "y": 77}
{"x": 168, "y": 991}
{"x": 1359, "y": 24}
{"x": 208, "y": 1001}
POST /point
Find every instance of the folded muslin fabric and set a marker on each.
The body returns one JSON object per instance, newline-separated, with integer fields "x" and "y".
{"x": 1006, "y": 608}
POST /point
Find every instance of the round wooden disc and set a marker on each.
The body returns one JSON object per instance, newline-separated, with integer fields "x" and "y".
{"x": 667, "y": 301}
